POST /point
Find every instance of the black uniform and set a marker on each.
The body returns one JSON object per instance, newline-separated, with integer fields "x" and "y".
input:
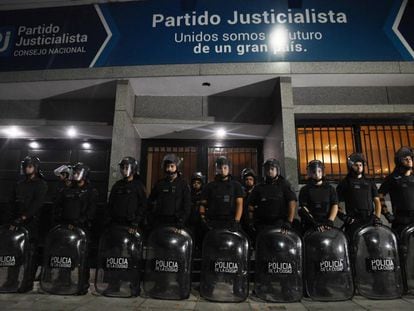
{"x": 221, "y": 198}
{"x": 195, "y": 222}
{"x": 271, "y": 200}
{"x": 126, "y": 207}
{"x": 171, "y": 201}
{"x": 127, "y": 202}
{"x": 26, "y": 200}
{"x": 358, "y": 195}
{"x": 401, "y": 190}
{"x": 318, "y": 199}
{"x": 76, "y": 206}
{"x": 245, "y": 216}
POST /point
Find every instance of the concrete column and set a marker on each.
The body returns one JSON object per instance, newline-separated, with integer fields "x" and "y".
{"x": 289, "y": 131}
{"x": 280, "y": 142}
{"x": 125, "y": 139}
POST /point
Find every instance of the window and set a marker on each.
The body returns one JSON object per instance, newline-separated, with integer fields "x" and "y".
{"x": 379, "y": 143}
{"x": 332, "y": 145}
{"x": 198, "y": 155}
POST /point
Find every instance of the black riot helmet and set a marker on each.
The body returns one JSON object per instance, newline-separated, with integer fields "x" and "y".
{"x": 220, "y": 162}
{"x": 198, "y": 176}
{"x": 402, "y": 153}
{"x": 128, "y": 166}
{"x": 315, "y": 170}
{"x": 272, "y": 162}
{"x": 30, "y": 160}
{"x": 248, "y": 172}
{"x": 168, "y": 159}
{"x": 80, "y": 172}
{"x": 355, "y": 158}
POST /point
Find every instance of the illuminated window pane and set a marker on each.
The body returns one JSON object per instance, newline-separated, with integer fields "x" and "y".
{"x": 379, "y": 143}
{"x": 331, "y": 145}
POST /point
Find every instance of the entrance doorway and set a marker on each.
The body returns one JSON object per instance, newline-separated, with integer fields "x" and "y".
{"x": 199, "y": 155}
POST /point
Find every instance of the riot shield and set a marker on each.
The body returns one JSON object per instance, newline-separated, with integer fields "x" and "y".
{"x": 118, "y": 270}
{"x": 407, "y": 250}
{"x": 328, "y": 275}
{"x": 168, "y": 263}
{"x": 14, "y": 258}
{"x": 64, "y": 262}
{"x": 224, "y": 269}
{"x": 278, "y": 273}
{"x": 376, "y": 263}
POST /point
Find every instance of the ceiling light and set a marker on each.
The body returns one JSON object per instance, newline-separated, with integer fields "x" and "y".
{"x": 71, "y": 132}
{"x": 86, "y": 145}
{"x": 221, "y": 133}
{"x": 12, "y": 131}
{"x": 34, "y": 145}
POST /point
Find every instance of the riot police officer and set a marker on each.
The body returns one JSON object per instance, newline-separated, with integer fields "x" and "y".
{"x": 76, "y": 207}
{"x": 76, "y": 204}
{"x": 360, "y": 195}
{"x": 126, "y": 207}
{"x": 222, "y": 199}
{"x": 64, "y": 172}
{"x": 318, "y": 200}
{"x": 273, "y": 201}
{"x": 249, "y": 180}
{"x": 127, "y": 199}
{"x": 170, "y": 198}
{"x": 25, "y": 204}
{"x": 222, "y": 208}
{"x": 400, "y": 185}
{"x": 197, "y": 183}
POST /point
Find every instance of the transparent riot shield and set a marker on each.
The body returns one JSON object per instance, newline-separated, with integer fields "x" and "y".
{"x": 168, "y": 263}
{"x": 64, "y": 262}
{"x": 118, "y": 270}
{"x": 224, "y": 268}
{"x": 278, "y": 273}
{"x": 376, "y": 263}
{"x": 328, "y": 275}
{"x": 14, "y": 258}
{"x": 407, "y": 250}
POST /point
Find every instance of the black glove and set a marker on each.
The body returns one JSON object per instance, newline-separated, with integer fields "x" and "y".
{"x": 235, "y": 226}
{"x": 205, "y": 223}
{"x": 346, "y": 218}
{"x": 287, "y": 225}
{"x": 376, "y": 221}
{"x": 326, "y": 225}
{"x": 329, "y": 223}
{"x": 390, "y": 217}
{"x": 252, "y": 227}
